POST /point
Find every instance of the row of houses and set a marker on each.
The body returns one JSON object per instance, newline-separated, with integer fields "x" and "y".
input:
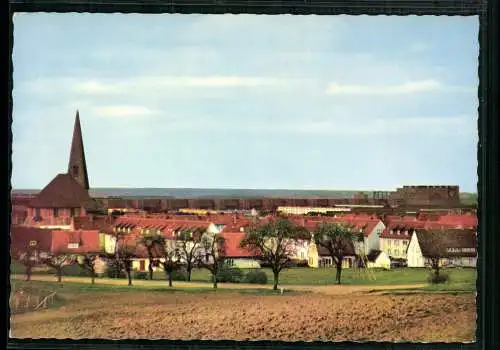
{"x": 381, "y": 244}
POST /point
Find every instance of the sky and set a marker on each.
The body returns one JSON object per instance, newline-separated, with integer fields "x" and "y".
{"x": 247, "y": 101}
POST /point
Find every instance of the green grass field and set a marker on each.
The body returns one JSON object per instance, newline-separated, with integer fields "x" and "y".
{"x": 74, "y": 289}
{"x": 460, "y": 278}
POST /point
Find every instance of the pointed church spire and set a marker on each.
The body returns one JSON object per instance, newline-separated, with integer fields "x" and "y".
{"x": 77, "y": 166}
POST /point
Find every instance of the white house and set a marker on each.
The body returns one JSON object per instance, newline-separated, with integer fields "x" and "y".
{"x": 378, "y": 259}
{"x": 371, "y": 230}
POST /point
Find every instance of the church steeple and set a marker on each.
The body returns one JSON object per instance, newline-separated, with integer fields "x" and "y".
{"x": 77, "y": 166}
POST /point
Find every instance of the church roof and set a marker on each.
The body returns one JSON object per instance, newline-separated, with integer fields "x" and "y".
{"x": 63, "y": 192}
{"x": 77, "y": 165}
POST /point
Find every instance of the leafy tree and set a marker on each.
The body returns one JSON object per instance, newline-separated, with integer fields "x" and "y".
{"x": 58, "y": 261}
{"x": 213, "y": 254}
{"x": 275, "y": 243}
{"x": 338, "y": 240}
{"x": 189, "y": 244}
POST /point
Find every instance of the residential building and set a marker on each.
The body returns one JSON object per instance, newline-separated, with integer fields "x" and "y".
{"x": 378, "y": 259}
{"x": 454, "y": 247}
{"x": 237, "y": 256}
{"x": 319, "y": 256}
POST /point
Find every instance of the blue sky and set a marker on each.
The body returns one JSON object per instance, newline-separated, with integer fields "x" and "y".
{"x": 245, "y": 101}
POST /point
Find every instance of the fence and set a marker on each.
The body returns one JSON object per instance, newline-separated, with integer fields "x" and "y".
{"x": 21, "y": 301}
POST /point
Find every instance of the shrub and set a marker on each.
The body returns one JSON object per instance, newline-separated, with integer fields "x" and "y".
{"x": 437, "y": 279}
{"x": 179, "y": 275}
{"x": 113, "y": 271}
{"x": 228, "y": 274}
{"x": 140, "y": 275}
{"x": 256, "y": 277}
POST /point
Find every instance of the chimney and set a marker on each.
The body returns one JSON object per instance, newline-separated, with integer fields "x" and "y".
{"x": 234, "y": 219}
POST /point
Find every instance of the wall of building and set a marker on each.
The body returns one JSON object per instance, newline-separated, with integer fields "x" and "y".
{"x": 53, "y": 218}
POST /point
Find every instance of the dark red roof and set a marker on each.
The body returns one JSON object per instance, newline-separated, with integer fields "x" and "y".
{"x": 349, "y": 249}
{"x": 63, "y": 192}
{"x": 88, "y": 241}
{"x": 21, "y": 236}
{"x": 101, "y": 223}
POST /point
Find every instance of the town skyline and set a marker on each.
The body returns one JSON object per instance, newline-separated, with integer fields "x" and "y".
{"x": 153, "y": 117}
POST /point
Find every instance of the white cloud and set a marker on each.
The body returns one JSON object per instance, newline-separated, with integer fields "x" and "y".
{"x": 405, "y": 88}
{"x": 100, "y": 87}
{"x": 419, "y": 47}
{"x": 383, "y": 126}
{"x": 122, "y": 111}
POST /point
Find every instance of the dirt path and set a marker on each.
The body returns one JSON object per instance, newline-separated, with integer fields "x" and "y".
{"x": 328, "y": 289}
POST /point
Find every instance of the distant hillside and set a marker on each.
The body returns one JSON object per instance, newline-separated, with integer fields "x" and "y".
{"x": 210, "y": 193}
{"x": 468, "y": 198}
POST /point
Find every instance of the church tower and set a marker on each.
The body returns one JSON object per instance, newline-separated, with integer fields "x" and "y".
{"x": 77, "y": 166}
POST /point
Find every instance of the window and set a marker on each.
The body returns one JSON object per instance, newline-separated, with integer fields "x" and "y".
{"x": 56, "y": 212}
{"x": 32, "y": 243}
{"x": 302, "y": 255}
{"x": 75, "y": 170}
{"x": 73, "y": 245}
{"x": 77, "y": 211}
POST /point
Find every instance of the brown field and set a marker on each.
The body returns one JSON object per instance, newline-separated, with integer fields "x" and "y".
{"x": 228, "y": 315}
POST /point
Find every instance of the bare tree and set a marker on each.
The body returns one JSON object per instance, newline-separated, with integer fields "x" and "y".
{"x": 124, "y": 253}
{"x": 213, "y": 254}
{"x": 57, "y": 261}
{"x": 189, "y": 244}
{"x": 338, "y": 239}
{"x": 124, "y": 256}
{"x": 151, "y": 245}
{"x": 434, "y": 242}
{"x": 26, "y": 257}
{"x": 88, "y": 262}
{"x": 275, "y": 242}
{"x": 170, "y": 257}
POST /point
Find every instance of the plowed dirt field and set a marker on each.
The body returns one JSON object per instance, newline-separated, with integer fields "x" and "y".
{"x": 306, "y": 317}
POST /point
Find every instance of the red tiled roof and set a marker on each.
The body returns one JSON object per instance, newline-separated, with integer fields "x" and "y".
{"x": 367, "y": 225}
{"x": 404, "y": 228}
{"x": 467, "y": 221}
{"x": 166, "y": 226}
{"x": 88, "y": 241}
{"x": 232, "y": 247}
{"x": 63, "y": 192}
